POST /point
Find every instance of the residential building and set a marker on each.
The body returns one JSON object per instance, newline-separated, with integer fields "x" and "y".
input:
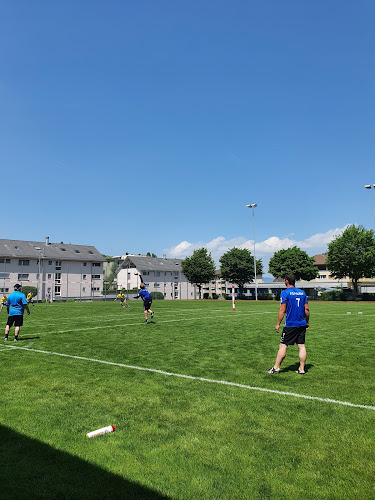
{"x": 160, "y": 275}
{"x": 61, "y": 269}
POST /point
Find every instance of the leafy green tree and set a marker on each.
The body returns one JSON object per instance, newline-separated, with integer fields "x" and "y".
{"x": 237, "y": 266}
{"x": 352, "y": 254}
{"x": 293, "y": 261}
{"x": 199, "y": 268}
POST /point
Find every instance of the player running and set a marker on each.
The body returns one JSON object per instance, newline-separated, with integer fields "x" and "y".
{"x": 147, "y": 300}
{"x": 30, "y": 298}
{"x": 3, "y": 301}
{"x": 122, "y": 298}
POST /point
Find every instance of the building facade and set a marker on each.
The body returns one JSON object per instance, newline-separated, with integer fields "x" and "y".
{"x": 59, "y": 269}
{"x": 160, "y": 275}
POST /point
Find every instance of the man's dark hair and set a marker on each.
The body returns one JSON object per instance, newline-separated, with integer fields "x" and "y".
{"x": 17, "y": 286}
{"x": 291, "y": 279}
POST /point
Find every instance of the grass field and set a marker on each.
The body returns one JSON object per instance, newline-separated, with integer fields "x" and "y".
{"x": 81, "y": 366}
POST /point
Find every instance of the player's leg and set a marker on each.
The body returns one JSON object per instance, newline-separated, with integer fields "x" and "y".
{"x": 16, "y": 332}
{"x": 302, "y": 357}
{"x": 7, "y": 328}
{"x": 280, "y": 356}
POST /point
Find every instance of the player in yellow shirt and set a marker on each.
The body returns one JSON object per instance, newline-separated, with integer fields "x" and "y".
{"x": 30, "y": 298}
{"x": 3, "y": 301}
{"x": 122, "y": 298}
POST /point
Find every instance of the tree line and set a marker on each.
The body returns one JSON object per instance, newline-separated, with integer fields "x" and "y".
{"x": 351, "y": 254}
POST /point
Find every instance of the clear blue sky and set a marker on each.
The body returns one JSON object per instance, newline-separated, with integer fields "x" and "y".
{"x": 137, "y": 126}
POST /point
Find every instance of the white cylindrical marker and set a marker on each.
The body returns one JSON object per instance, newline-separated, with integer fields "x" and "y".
{"x": 103, "y": 430}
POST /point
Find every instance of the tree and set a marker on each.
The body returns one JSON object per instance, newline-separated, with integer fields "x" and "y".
{"x": 199, "y": 268}
{"x": 352, "y": 254}
{"x": 237, "y": 266}
{"x": 293, "y": 261}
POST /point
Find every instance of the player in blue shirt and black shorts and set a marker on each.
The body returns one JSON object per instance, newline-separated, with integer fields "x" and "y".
{"x": 293, "y": 303}
{"x": 16, "y": 304}
{"x": 147, "y": 300}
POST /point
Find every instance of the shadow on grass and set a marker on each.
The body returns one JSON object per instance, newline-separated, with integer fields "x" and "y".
{"x": 31, "y": 469}
{"x": 28, "y": 338}
{"x": 295, "y": 366}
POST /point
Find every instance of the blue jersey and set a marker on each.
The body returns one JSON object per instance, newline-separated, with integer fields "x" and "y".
{"x": 16, "y": 302}
{"x": 295, "y": 300}
{"x": 144, "y": 294}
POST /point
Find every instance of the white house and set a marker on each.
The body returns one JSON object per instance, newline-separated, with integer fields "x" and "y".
{"x": 61, "y": 269}
{"x": 160, "y": 275}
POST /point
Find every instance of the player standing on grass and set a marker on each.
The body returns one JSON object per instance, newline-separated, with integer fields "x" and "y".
{"x": 147, "y": 300}
{"x": 3, "y": 302}
{"x": 30, "y": 298}
{"x": 122, "y": 298}
{"x": 16, "y": 305}
{"x": 293, "y": 302}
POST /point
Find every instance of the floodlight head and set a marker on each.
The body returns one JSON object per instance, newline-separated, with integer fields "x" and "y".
{"x": 368, "y": 186}
{"x": 252, "y": 205}
{"x": 37, "y": 248}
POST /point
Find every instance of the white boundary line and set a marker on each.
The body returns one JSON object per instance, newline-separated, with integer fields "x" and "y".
{"x": 201, "y": 379}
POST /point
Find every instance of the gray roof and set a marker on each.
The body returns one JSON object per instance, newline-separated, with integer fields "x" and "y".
{"x": 57, "y": 251}
{"x": 152, "y": 263}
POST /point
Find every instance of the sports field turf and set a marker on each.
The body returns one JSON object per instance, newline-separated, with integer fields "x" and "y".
{"x": 81, "y": 366}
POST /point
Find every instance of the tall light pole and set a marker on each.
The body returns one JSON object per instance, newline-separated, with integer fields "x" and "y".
{"x": 252, "y": 206}
{"x": 372, "y": 187}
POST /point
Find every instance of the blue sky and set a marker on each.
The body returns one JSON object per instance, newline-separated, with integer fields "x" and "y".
{"x": 148, "y": 126}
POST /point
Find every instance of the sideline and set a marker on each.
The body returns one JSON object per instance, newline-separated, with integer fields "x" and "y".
{"x": 201, "y": 379}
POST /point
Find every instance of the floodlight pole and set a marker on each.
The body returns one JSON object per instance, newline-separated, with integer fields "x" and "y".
{"x": 252, "y": 206}
{"x": 372, "y": 188}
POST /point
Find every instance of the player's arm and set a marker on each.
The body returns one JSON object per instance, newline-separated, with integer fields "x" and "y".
{"x": 27, "y": 308}
{"x": 140, "y": 277}
{"x": 307, "y": 315}
{"x": 280, "y": 316}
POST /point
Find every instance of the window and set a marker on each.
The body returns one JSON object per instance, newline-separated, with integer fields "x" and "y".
{"x": 4, "y": 276}
{"x": 49, "y": 276}
{"x": 23, "y": 262}
{"x": 95, "y": 289}
{"x": 63, "y": 249}
{"x": 77, "y": 251}
{"x": 57, "y": 290}
{"x": 157, "y": 274}
{"x": 96, "y": 276}
{"x": 58, "y": 266}
{"x": 83, "y": 289}
{"x": 84, "y": 276}
{"x": 23, "y": 277}
{"x": 4, "y": 261}
{"x": 4, "y": 290}
{"x": 84, "y": 264}
{"x": 145, "y": 273}
{"x": 50, "y": 262}
{"x": 96, "y": 264}
{"x": 90, "y": 252}
{"x": 156, "y": 285}
{"x": 58, "y": 278}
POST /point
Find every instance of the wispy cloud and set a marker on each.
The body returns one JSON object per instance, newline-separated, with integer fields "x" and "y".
{"x": 316, "y": 243}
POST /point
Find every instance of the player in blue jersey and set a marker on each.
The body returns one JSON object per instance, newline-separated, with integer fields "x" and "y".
{"x": 16, "y": 304}
{"x": 293, "y": 303}
{"x": 147, "y": 300}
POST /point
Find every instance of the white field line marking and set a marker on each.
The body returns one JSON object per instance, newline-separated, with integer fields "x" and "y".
{"x": 121, "y": 325}
{"x": 201, "y": 379}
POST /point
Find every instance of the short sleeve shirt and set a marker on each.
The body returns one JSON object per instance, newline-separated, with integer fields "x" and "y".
{"x": 16, "y": 302}
{"x": 295, "y": 300}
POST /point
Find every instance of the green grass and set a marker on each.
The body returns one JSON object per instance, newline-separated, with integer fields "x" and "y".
{"x": 184, "y": 438}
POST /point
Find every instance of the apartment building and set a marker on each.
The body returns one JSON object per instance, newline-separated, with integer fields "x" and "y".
{"x": 160, "y": 275}
{"x": 61, "y": 269}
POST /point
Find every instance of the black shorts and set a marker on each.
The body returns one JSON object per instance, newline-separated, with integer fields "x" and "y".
{"x": 16, "y": 320}
{"x": 293, "y": 335}
{"x": 147, "y": 304}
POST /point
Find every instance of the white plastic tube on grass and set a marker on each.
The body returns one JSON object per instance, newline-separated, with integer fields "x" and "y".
{"x": 99, "y": 432}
